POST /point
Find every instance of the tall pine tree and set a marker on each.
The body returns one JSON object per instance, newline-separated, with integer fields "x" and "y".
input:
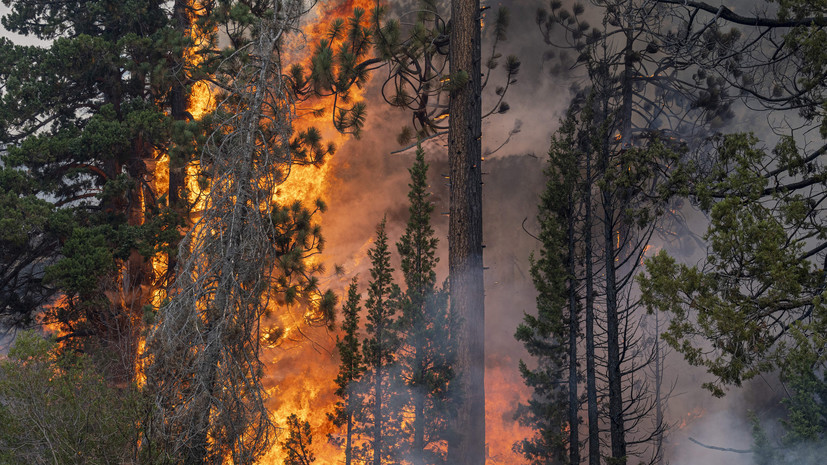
{"x": 427, "y": 351}
{"x": 380, "y": 353}
{"x": 551, "y": 336}
{"x": 351, "y": 368}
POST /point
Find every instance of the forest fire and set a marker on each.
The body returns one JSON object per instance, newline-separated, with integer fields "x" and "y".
{"x": 503, "y": 393}
{"x": 176, "y": 176}
{"x": 300, "y": 354}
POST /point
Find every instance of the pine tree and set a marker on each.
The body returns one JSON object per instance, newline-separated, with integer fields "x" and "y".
{"x": 552, "y": 336}
{"x": 298, "y": 442}
{"x": 351, "y": 367}
{"x": 380, "y": 353}
{"x": 422, "y": 88}
{"x": 84, "y": 119}
{"x": 427, "y": 351}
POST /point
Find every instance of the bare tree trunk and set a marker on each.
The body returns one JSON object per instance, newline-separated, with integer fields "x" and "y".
{"x": 658, "y": 398}
{"x": 349, "y": 439}
{"x": 617, "y": 430}
{"x": 465, "y": 234}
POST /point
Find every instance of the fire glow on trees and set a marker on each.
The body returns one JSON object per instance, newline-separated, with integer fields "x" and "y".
{"x": 299, "y": 381}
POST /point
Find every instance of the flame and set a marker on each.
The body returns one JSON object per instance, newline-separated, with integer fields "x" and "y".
{"x": 299, "y": 354}
{"x": 503, "y": 392}
{"x": 691, "y": 416}
{"x": 301, "y": 368}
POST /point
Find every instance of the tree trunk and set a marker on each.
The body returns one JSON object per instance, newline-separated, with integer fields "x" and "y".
{"x": 419, "y": 393}
{"x": 617, "y": 430}
{"x": 574, "y": 326}
{"x": 377, "y": 408}
{"x": 591, "y": 373}
{"x": 465, "y": 235}
{"x": 349, "y": 438}
{"x": 178, "y": 107}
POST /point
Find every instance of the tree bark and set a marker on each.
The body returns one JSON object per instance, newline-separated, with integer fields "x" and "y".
{"x": 617, "y": 431}
{"x": 419, "y": 394}
{"x": 465, "y": 235}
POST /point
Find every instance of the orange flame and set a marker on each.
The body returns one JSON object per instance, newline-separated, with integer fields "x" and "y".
{"x": 503, "y": 392}
{"x": 691, "y": 416}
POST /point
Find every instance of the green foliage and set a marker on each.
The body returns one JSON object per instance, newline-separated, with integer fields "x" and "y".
{"x": 298, "y": 443}
{"x": 295, "y": 237}
{"x": 545, "y": 336}
{"x": 427, "y": 351}
{"x": 348, "y": 408}
{"x": 82, "y": 119}
{"x": 340, "y": 61}
{"x": 87, "y": 259}
{"x": 758, "y": 278}
{"x": 380, "y": 354}
{"x": 457, "y": 81}
{"x": 382, "y": 305}
{"x": 56, "y": 408}
{"x": 30, "y": 229}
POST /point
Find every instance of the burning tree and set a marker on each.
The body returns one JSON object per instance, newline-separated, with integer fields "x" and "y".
{"x": 204, "y": 369}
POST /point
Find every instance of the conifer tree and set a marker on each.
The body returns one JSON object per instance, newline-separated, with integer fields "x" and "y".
{"x": 427, "y": 351}
{"x": 351, "y": 367}
{"x": 298, "y": 442}
{"x": 419, "y": 83}
{"x": 380, "y": 353}
{"x": 551, "y": 337}
{"x": 83, "y": 119}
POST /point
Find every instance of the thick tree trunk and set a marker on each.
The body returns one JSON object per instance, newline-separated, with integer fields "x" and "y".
{"x": 465, "y": 235}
